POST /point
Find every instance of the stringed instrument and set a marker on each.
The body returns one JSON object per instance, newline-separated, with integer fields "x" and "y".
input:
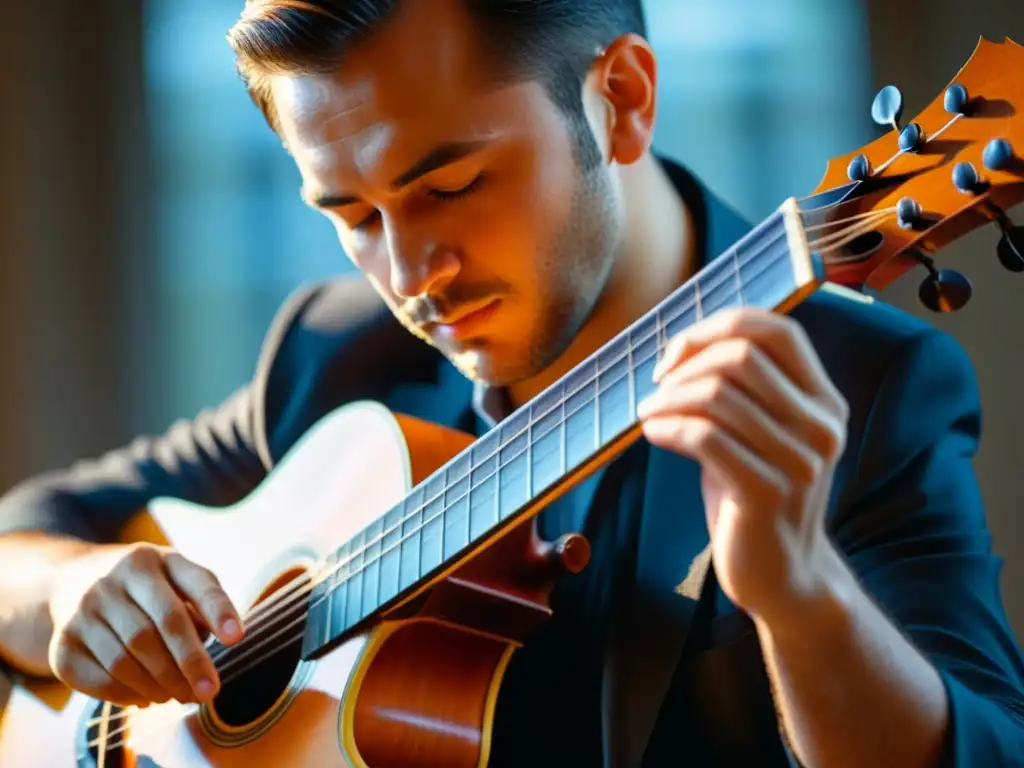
{"x": 408, "y": 569}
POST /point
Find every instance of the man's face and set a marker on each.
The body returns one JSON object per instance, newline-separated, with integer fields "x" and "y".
{"x": 463, "y": 204}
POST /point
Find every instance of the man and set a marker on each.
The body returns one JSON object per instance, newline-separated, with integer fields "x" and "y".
{"x": 488, "y": 167}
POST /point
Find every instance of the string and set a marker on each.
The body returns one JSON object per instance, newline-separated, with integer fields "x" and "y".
{"x": 855, "y": 231}
{"x": 858, "y": 217}
{"x": 297, "y": 637}
{"x": 902, "y": 152}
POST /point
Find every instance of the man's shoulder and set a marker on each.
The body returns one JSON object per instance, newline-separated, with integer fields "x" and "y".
{"x": 857, "y": 320}
{"x": 871, "y": 348}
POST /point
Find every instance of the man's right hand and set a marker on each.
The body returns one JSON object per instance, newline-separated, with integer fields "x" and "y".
{"x": 126, "y": 623}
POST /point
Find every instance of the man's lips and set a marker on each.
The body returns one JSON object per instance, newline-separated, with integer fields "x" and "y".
{"x": 465, "y": 321}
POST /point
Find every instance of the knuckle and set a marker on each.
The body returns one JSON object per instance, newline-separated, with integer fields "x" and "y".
{"x": 746, "y": 356}
{"x": 842, "y": 406}
{"x": 62, "y": 660}
{"x": 734, "y": 320}
{"x": 174, "y": 622}
{"x": 719, "y": 388}
{"x": 91, "y": 603}
{"x": 141, "y": 558}
{"x": 143, "y": 640}
{"x": 195, "y": 663}
{"x": 809, "y": 467}
{"x": 702, "y": 434}
{"x": 828, "y": 441}
{"x": 121, "y": 664}
{"x": 787, "y": 326}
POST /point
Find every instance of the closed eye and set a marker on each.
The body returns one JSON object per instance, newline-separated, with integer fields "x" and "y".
{"x": 457, "y": 194}
{"x": 446, "y": 195}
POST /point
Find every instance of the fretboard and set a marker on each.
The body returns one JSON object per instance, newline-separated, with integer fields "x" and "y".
{"x": 507, "y": 473}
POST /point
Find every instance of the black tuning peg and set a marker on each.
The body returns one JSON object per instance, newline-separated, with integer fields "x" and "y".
{"x": 943, "y": 290}
{"x": 887, "y": 109}
{"x": 1011, "y": 244}
{"x": 1011, "y": 249}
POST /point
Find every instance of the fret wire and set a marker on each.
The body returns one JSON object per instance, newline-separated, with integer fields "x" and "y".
{"x": 630, "y": 374}
{"x": 330, "y": 608}
{"x": 497, "y": 486}
{"x": 563, "y": 404}
{"x": 419, "y": 532}
{"x": 597, "y": 402}
{"x": 444, "y": 509}
{"x": 564, "y": 454}
{"x": 739, "y": 276}
{"x": 529, "y": 453}
{"x": 659, "y": 332}
{"x": 696, "y": 293}
{"x": 714, "y": 269}
{"x": 362, "y": 567}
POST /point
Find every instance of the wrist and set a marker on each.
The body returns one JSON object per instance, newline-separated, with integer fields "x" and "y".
{"x": 823, "y": 605}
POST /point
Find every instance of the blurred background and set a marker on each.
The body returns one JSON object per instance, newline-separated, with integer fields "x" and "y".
{"x": 150, "y": 223}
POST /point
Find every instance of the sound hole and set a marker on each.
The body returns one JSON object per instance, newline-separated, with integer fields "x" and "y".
{"x": 866, "y": 244}
{"x": 255, "y": 673}
{"x": 89, "y": 732}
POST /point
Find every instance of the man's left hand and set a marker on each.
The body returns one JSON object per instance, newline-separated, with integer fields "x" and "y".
{"x": 745, "y": 394}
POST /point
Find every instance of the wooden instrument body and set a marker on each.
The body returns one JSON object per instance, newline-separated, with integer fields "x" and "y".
{"x": 418, "y": 689}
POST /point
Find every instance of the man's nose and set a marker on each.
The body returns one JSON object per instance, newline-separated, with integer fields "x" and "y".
{"x": 420, "y": 265}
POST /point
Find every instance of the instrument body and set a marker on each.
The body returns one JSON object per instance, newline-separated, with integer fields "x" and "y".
{"x": 416, "y": 690}
{"x": 408, "y": 674}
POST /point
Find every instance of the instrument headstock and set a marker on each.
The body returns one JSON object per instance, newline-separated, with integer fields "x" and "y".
{"x": 957, "y": 166}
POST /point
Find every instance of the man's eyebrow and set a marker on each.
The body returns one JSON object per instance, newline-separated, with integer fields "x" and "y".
{"x": 437, "y": 158}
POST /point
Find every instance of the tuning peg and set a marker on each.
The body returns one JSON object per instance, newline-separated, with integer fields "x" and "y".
{"x": 887, "y": 108}
{"x": 944, "y": 290}
{"x": 910, "y": 138}
{"x": 956, "y": 99}
{"x": 1011, "y": 249}
{"x": 859, "y": 168}
{"x": 966, "y": 178}
{"x": 908, "y": 212}
{"x": 998, "y": 155}
{"x": 1011, "y": 244}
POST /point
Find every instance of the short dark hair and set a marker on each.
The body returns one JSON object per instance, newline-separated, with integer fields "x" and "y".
{"x": 552, "y": 41}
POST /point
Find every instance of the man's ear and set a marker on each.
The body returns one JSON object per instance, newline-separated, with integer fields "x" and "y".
{"x": 624, "y": 79}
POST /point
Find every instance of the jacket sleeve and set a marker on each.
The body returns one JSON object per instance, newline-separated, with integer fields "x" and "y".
{"x": 214, "y": 459}
{"x": 915, "y": 532}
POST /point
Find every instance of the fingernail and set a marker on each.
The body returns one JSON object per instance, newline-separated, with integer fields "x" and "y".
{"x": 231, "y": 628}
{"x": 204, "y": 688}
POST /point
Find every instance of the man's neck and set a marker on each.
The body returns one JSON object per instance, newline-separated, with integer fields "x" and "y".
{"x": 657, "y": 256}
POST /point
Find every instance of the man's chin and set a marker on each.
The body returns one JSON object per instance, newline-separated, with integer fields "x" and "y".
{"x": 487, "y": 366}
